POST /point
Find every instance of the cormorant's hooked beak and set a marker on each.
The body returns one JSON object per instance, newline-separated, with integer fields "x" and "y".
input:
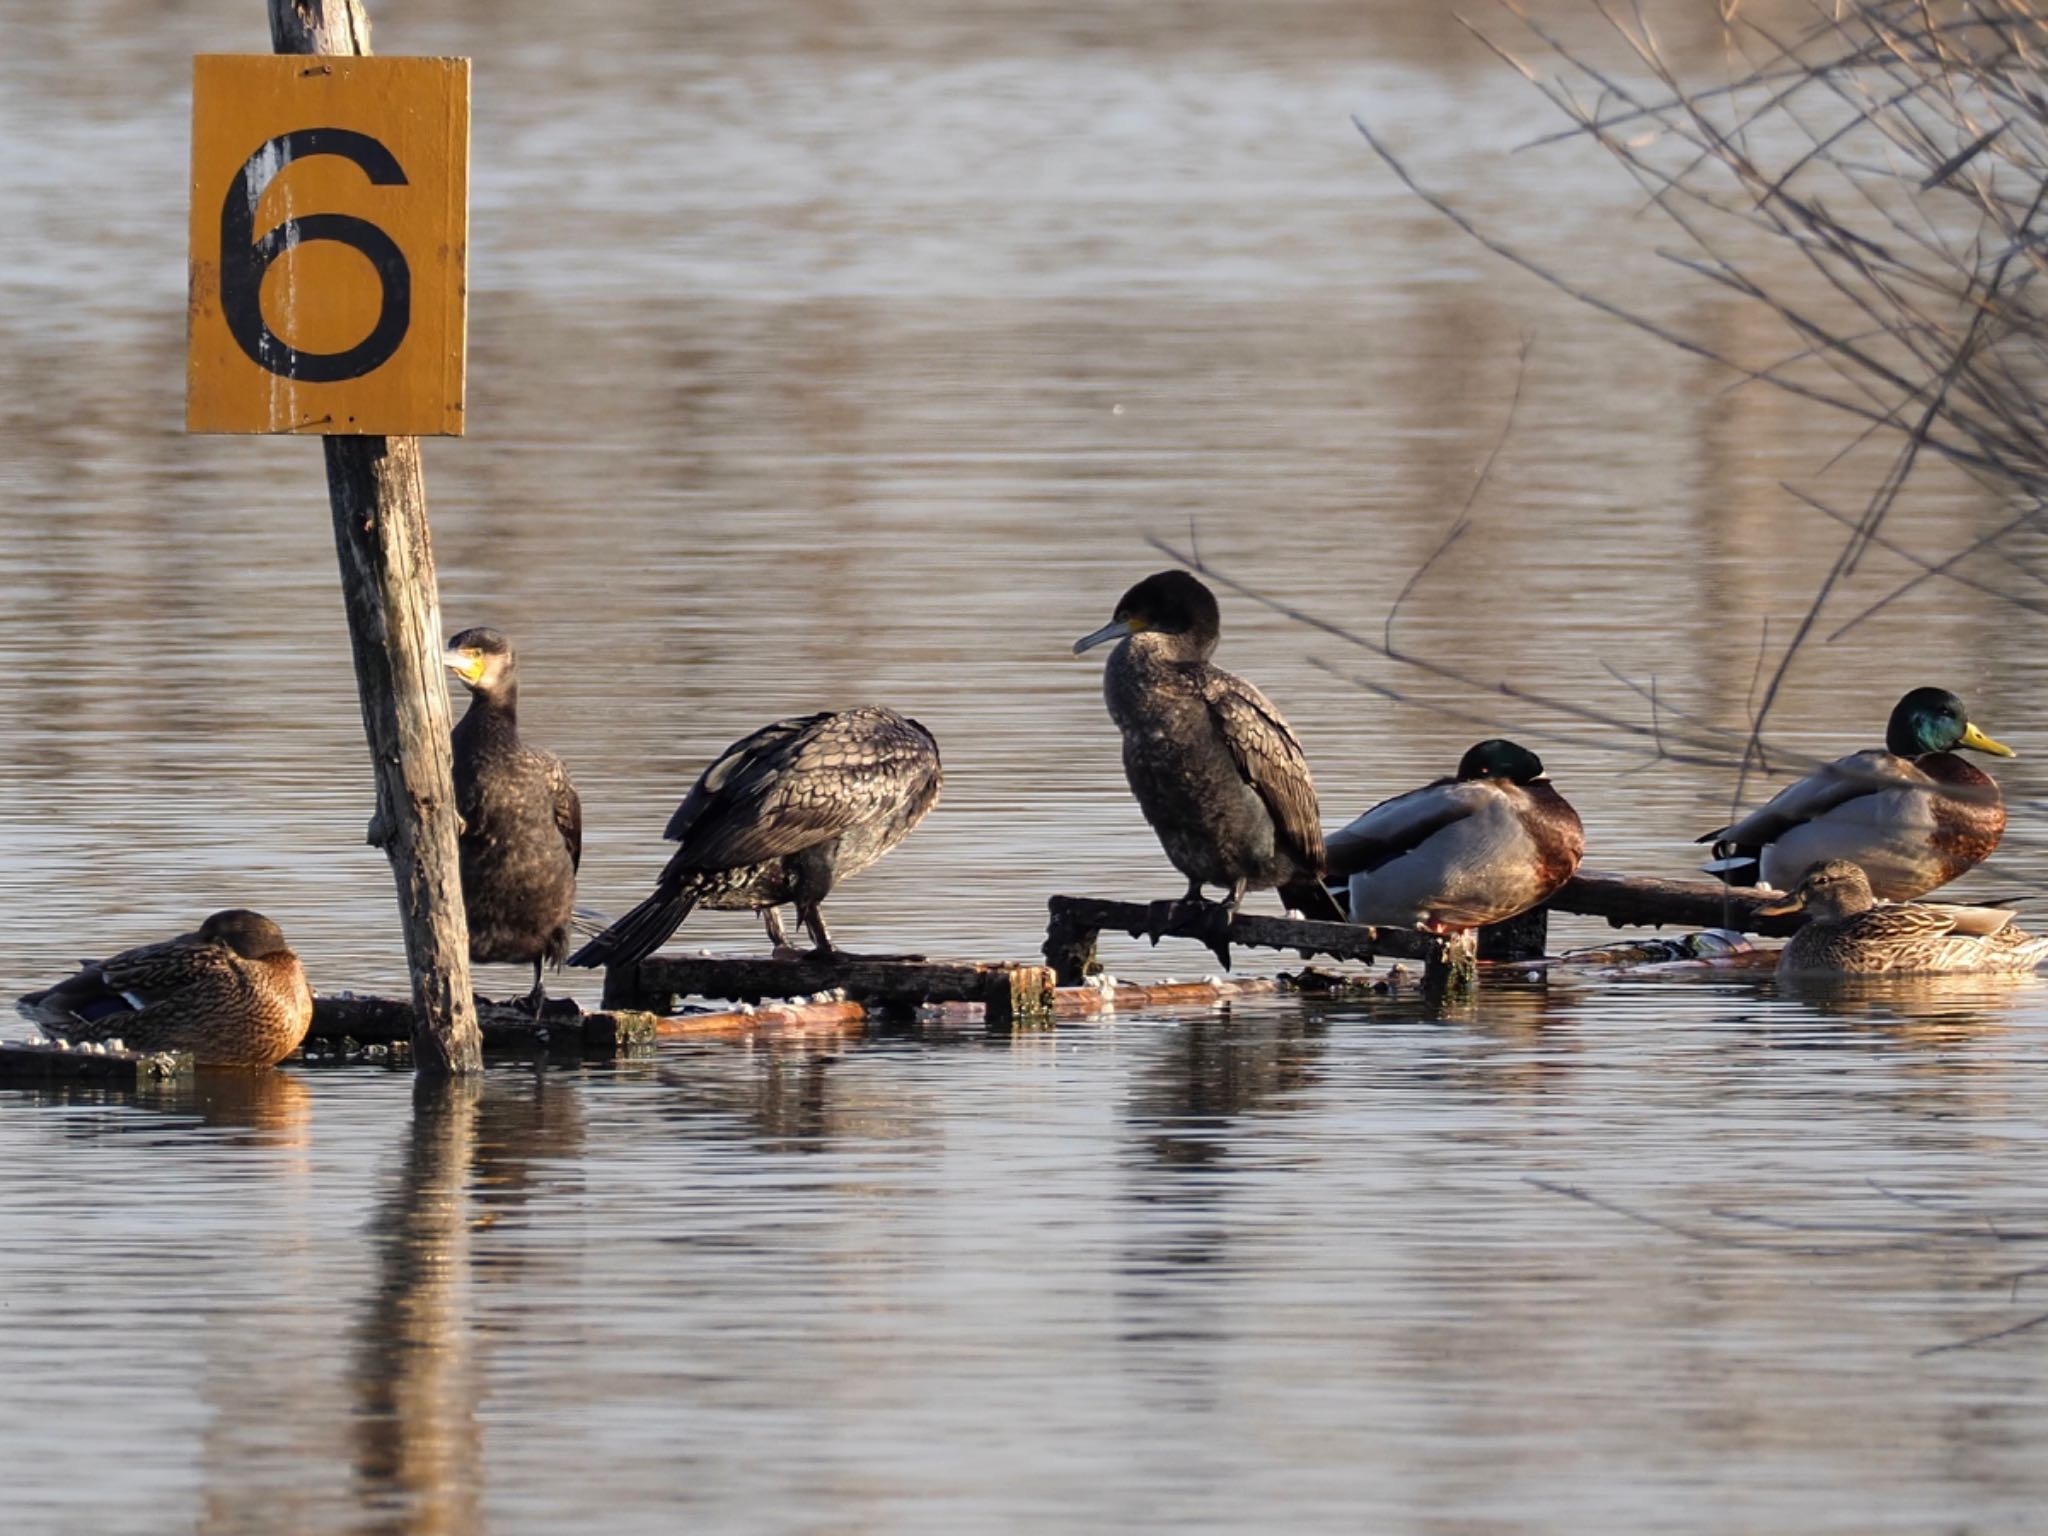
{"x": 1115, "y": 629}
{"x": 467, "y": 665}
{"x": 1783, "y": 906}
{"x": 1978, "y": 741}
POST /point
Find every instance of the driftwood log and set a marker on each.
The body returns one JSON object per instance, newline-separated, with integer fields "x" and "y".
{"x": 1644, "y": 902}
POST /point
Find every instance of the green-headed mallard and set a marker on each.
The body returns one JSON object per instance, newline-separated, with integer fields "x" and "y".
{"x": 1913, "y": 815}
{"x": 522, "y": 823}
{"x": 1213, "y": 764}
{"x": 784, "y": 815}
{"x": 1850, "y": 933}
{"x": 232, "y": 994}
{"x": 1480, "y": 847}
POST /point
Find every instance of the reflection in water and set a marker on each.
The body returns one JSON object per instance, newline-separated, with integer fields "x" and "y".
{"x": 418, "y": 1442}
{"x": 1221, "y": 1067}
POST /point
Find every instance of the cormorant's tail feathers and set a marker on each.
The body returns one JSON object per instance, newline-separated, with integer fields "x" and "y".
{"x": 639, "y": 933}
{"x": 1313, "y": 900}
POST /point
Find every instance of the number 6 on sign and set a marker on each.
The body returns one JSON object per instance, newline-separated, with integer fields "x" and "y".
{"x": 329, "y": 232}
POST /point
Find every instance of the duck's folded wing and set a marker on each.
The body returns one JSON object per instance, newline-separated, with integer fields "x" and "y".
{"x": 1902, "y": 923}
{"x": 137, "y": 979}
{"x": 1838, "y": 784}
{"x": 1974, "y": 921}
{"x": 1401, "y": 825}
{"x": 1271, "y": 760}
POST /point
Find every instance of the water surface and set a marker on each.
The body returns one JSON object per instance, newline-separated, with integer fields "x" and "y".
{"x": 824, "y": 354}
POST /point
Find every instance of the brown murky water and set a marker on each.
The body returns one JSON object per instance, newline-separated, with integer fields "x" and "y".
{"x": 824, "y": 353}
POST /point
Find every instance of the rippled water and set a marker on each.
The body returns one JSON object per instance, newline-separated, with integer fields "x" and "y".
{"x": 823, "y": 354}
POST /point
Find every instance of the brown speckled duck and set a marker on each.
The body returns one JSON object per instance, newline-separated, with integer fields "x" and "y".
{"x": 233, "y": 994}
{"x": 1851, "y": 933}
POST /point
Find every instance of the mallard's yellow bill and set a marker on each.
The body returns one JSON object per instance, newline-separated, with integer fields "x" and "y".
{"x": 1976, "y": 740}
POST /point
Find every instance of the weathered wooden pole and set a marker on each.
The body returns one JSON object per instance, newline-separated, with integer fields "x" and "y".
{"x": 378, "y": 494}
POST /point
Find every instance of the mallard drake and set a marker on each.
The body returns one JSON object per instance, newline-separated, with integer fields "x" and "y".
{"x": 233, "y": 994}
{"x": 784, "y": 815}
{"x": 1913, "y": 815}
{"x": 1214, "y": 766}
{"x": 1850, "y": 933}
{"x": 1482, "y": 846}
{"x": 522, "y": 822}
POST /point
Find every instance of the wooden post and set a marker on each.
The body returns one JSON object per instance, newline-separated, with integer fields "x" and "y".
{"x": 378, "y": 494}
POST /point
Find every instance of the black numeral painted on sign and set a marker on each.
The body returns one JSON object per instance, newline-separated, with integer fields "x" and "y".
{"x": 245, "y": 256}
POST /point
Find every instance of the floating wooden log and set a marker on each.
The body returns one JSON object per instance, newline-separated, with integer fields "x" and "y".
{"x": 29, "y": 1063}
{"x": 562, "y": 1028}
{"x": 1011, "y": 993}
{"x": 1647, "y": 902}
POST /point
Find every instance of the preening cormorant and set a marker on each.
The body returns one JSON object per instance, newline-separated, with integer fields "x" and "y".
{"x": 784, "y": 815}
{"x": 1911, "y": 816}
{"x": 1214, "y": 766}
{"x": 233, "y": 994}
{"x": 1480, "y": 847}
{"x": 522, "y": 823}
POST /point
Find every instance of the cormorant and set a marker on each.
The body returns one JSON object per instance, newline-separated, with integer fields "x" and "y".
{"x": 1213, "y": 765}
{"x": 522, "y": 823}
{"x": 784, "y": 815}
{"x": 1480, "y": 847}
{"x": 1912, "y": 816}
{"x": 233, "y": 994}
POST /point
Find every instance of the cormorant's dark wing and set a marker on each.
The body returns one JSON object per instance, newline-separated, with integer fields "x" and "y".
{"x": 732, "y": 768}
{"x": 797, "y": 783}
{"x": 1270, "y": 759}
{"x": 568, "y": 810}
{"x": 1400, "y": 825}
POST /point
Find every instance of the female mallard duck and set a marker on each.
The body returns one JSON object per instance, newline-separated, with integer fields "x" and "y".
{"x": 1213, "y": 765}
{"x": 1849, "y": 933}
{"x": 1480, "y": 847}
{"x": 1913, "y": 816}
{"x": 784, "y": 815}
{"x": 232, "y": 994}
{"x": 522, "y": 823}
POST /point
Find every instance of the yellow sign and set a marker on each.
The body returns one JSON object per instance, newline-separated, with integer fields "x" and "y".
{"x": 330, "y": 236}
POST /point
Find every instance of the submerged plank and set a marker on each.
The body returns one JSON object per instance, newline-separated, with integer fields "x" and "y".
{"x": 561, "y": 1027}
{"x": 26, "y": 1063}
{"x": 1010, "y": 989}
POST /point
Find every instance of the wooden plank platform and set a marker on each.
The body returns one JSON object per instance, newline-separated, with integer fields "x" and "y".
{"x": 1073, "y": 922}
{"x": 31, "y": 1063}
{"x": 1010, "y": 992}
{"x": 506, "y": 1030}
